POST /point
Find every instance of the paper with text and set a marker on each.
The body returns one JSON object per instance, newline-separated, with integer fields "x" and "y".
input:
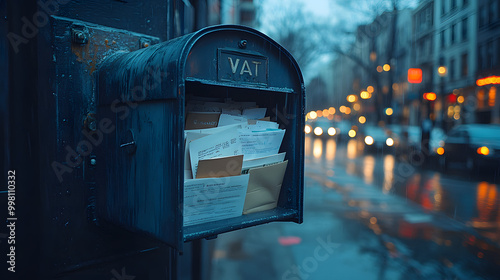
{"x": 261, "y": 143}
{"x": 213, "y": 199}
{"x": 213, "y": 146}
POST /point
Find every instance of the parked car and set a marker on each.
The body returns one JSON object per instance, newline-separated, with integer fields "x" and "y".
{"x": 376, "y": 137}
{"x": 471, "y": 146}
{"x": 342, "y": 128}
{"x": 321, "y": 128}
{"x": 409, "y": 138}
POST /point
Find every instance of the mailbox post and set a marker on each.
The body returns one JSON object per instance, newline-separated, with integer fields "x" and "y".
{"x": 144, "y": 94}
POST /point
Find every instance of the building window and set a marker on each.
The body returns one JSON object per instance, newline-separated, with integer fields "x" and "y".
{"x": 492, "y": 11}
{"x": 452, "y": 38}
{"x": 464, "y": 29}
{"x": 441, "y": 39}
{"x": 492, "y": 96}
{"x": 480, "y": 58}
{"x": 452, "y": 69}
{"x": 480, "y": 99}
{"x": 443, "y": 8}
{"x": 465, "y": 64}
{"x": 483, "y": 16}
{"x": 453, "y": 4}
{"x": 489, "y": 54}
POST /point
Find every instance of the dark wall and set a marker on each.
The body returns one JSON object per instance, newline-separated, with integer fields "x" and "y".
{"x": 47, "y": 100}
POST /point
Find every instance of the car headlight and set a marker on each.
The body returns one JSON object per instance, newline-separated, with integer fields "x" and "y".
{"x": 389, "y": 142}
{"x": 352, "y": 133}
{"x": 307, "y": 129}
{"x": 318, "y": 131}
{"x": 332, "y": 131}
{"x": 369, "y": 140}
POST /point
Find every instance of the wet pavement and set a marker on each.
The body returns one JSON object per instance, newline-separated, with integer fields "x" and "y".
{"x": 373, "y": 216}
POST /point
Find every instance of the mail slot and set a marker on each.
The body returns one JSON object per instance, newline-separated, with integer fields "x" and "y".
{"x": 143, "y": 102}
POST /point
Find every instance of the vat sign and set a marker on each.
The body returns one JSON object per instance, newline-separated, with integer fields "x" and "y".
{"x": 249, "y": 68}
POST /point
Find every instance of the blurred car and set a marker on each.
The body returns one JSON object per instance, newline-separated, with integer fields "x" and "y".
{"x": 343, "y": 128}
{"x": 471, "y": 146}
{"x": 409, "y": 138}
{"x": 320, "y": 128}
{"x": 376, "y": 137}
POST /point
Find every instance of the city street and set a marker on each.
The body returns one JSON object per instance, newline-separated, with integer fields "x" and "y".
{"x": 373, "y": 216}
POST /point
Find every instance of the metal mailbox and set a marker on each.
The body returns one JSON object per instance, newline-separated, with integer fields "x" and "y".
{"x": 141, "y": 112}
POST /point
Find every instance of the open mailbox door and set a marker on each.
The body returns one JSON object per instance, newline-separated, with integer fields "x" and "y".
{"x": 142, "y": 99}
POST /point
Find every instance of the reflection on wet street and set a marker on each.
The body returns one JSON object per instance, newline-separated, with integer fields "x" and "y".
{"x": 467, "y": 209}
{"x": 373, "y": 216}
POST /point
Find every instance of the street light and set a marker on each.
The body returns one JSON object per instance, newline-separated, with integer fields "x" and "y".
{"x": 442, "y": 71}
{"x": 351, "y": 98}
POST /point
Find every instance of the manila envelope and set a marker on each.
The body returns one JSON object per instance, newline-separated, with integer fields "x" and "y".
{"x": 219, "y": 167}
{"x": 264, "y": 187}
{"x": 202, "y": 120}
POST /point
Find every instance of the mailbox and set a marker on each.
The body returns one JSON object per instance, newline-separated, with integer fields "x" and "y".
{"x": 141, "y": 102}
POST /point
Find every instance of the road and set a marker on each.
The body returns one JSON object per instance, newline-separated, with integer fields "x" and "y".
{"x": 373, "y": 216}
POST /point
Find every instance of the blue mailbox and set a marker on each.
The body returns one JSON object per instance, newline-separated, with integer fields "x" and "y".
{"x": 142, "y": 99}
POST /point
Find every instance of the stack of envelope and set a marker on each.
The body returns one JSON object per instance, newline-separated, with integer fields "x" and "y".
{"x": 232, "y": 160}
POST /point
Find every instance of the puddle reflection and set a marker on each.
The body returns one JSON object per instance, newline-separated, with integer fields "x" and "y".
{"x": 331, "y": 147}
{"x": 368, "y": 168}
{"x": 389, "y": 163}
{"x": 317, "y": 148}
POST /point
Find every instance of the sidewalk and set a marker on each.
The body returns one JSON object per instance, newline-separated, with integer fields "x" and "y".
{"x": 351, "y": 230}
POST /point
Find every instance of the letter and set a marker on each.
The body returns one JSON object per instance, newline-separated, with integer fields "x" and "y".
{"x": 311, "y": 261}
{"x": 318, "y": 257}
{"x": 60, "y": 169}
{"x": 11, "y": 269}
{"x": 121, "y": 108}
{"x": 84, "y": 148}
{"x": 245, "y": 66}
{"x": 15, "y": 40}
{"x": 296, "y": 270}
{"x": 256, "y": 67}
{"x": 286, "y": 274}
{"x": 27, "y": 27}
{"x": 72, "y": 155}
{"x": 11, "y": 241}
{"x": 123, "y": 276}
{"x": 106, "y": 126}
{"x": 41, "y": 15}
{"x": 95, "y": 137}
{"x": 233, "y": 67}
{"x": 12, "y": 225}
{"x": 328, "y": 246}
{"x": 50, "y": 7}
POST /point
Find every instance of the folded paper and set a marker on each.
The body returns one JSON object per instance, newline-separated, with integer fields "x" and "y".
{"x": 264, "y": 187}
{"x": 219, "y": 167}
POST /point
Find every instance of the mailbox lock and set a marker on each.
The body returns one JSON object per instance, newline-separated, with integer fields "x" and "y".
{"x": 242, "y": 44}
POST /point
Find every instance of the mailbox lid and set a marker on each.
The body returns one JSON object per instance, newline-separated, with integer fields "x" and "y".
{"x": 240, "y": 56}
{"x": 227, "y": 55}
